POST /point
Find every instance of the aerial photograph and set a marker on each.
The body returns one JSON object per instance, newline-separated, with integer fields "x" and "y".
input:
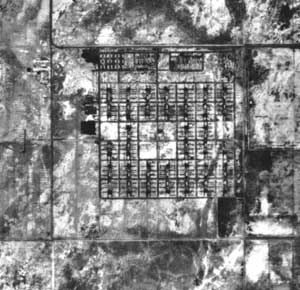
{"x": 149, "y": 145}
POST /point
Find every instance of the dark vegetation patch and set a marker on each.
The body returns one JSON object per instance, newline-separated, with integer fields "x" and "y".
{"x": 262, "y": 284}
{"x": 57, "y": 78}
{"x": 227, "y": 211}
{"x": 128, "y": 32}
{"x": 46, "y": 153}
{"x": 257, "y": 74}
{"x": 237, "y": 10}
{"x": 149, "y": 6}
{"x": 32, "y": 11}
{"x": 282, "y": 13}
{"x": 140, "y": 231}
{"x": 260, "y": 160}
{"x": 119, "y": 249}
{"x": 103, "y": 13}
{"x": 44, "y": 31}
{"x": 91, "y": 55}
{"x": 74, "y": 283}
{"x": 257, "y": 161}
{"x": 15, "y": 67}
{"x": 285, "y": 15}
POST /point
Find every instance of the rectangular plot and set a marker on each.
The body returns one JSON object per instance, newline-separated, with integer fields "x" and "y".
{"x": 26, "y": 265}
{"x": 272, "y": 103}
{"x": 269, "y": 264}
{"x": 178, "y": 259}
{"x": 76, "y": 166}
{"x": 270, "y": 193}
{"x": 25, "y": 190}
{"x": 173, "y": 119}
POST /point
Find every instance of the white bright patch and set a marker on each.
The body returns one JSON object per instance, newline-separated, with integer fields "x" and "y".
{"x": 2, "y": 109}
{"x": 169, "y": 130}
{"x": 63, "y": 221}
{"x": 257, "y": 262}
{"x": 166, "y": 207}
{"x": 224, "y": 130}
{"x": 146, "y": 34}
{"x": 43, "y": 13}
{"x": 170, "y": 35}
{"x": 106, "y": 221}
{"x": 109, "y": 131}
{"x": 168, "y": 150}
{"x": 184, "y": 224}
{"x": 210, "y": 218}
{"x": 147, "y": 130}
{"x": 60, "y": 6}
{"x": 230, "y": 261}
{"x": 117, "y": 205}
{"x": 201, "y": 203}
{"x": 107, "y": 35}
{"x": 174, "y": 220}
{"x": 68, "y": 110}
{"x": 215, "y": 16}
{"x": 90, "y": 118}
{"x": 148, "y": 150}
{"x": 44, "y": 197}
{"x": 269, "y": 227}
{"x": 265, "y": 205}
{"x": 64, "y": 168}
{"x": 78, "y": 78}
